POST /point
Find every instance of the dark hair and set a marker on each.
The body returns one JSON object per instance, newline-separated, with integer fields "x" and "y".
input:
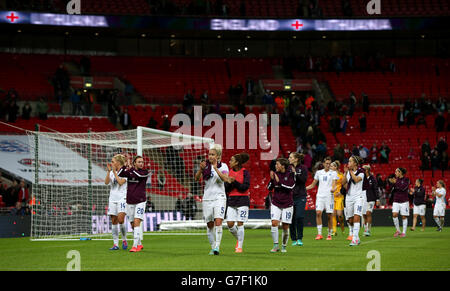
{"x": 241, "y": 158}
{"x": 402, "y": 170}
{"x": 357, "y": 159}
{"x": 137, "y": 157}
{"x": 420, "y": 181}
{"x": 327, "y": 159}
{"x": 300, "y": 157}
{"x": 284, "y": 162}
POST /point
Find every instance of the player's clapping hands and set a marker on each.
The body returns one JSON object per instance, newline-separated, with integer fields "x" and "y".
{"x": 202, "y": 165}
{"x": 345, "y": 168}
{"x": 214, "y": 162}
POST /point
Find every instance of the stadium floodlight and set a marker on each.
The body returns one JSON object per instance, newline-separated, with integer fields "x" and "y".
{"x": 70, "y": 198}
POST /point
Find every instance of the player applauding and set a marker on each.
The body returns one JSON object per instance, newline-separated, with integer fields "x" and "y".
{"x": 136, "y": 198}
{"x": 299, "y": 196}
{"x": 326, "y": 179}
{"x": 338, "y": 214}
{"x": 214, "y": 173}
{"x": 117, "y": 199}
{"x": 282, "y": 183}
{"x": 439, "y": 205}
{"x": 353, "y": 179}
{"x": 238, "y": 201}
{"x": 419, "y": 204}
{"x": 400, "y": 190}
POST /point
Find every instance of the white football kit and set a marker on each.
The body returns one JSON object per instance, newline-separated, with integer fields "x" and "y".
{"x": 214, "y": 197}
{"x": 439, "y": 206}
{"x": 117, "y": 195}
{"x": 354, "y": 200}
{"x": 324, "y": 198}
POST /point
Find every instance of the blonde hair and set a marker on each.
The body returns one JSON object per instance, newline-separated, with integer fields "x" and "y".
{"x": 218, "y": 148}
{"x": 337, "y": 164}
{"x": 120, "y": 158}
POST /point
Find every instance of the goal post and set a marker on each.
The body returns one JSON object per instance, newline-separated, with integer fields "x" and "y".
{"x": 70, "y": 198}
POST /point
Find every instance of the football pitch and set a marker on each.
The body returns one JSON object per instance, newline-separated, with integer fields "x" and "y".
{"x": 429, "y": 250}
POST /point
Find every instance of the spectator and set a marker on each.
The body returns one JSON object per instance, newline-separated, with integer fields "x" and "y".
{"x": 26, "y": 111}
{"x": 75, "y": 98}
{"x": 125, "y": 119}
{"x": 250, "y": 86}
{"x": 4, "y": 192}
{"x": 188, "y": 101}
{"x": 152, "y": 123}
{"x": 204, "y": 98}
{"x": 268, "y": 101}
{"x": 190, "y": 207}
{"x": 374, "y": 154}
{"x": 241, "y": 107}
{"x": 347, "y": 153}
{"x": 13, "y": 110}
{"x": 426, "y": 162}
{"x": 363, "y": 153}
{"x": 441, "y": 146}
{"x": 426, "y": 147}
{"x": 421, "y": 120}
{"x": 411, "y": 154}
{"x": 166, "y": 123}
{"x": 18, "y": 209}
{"x": 23, "y": 194}
{"x": 61, "y": 81}
{"x": 161, "y": 177}
{"x": 279, "y": 101}
{"x": 410, "y": 118}
{"x": 42, "y": 109}
{"x": 309, "y": 102}
{"x": 344, "y": 123}
{"x": 439, "y": 122}
{"x": 149, "y": 205}
{"x": 179, "y": 204}
{"x": 352, "y": 102}
{"x": 11, "y": 194}
{"x": 384, "y": 153}
{"x": 381, "y": 189}
{"x": 363, "y": 123}
{"x": 365, "y": 102}
{"x": 401, "y": 117}
{"x": 435, "y": 160}
{"x": 335, "y": 124}
{"x": 441, "y": 105}
{"x": 2, "y": 184}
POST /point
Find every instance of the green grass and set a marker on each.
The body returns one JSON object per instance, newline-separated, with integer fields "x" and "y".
{"x": 429, "y": 250}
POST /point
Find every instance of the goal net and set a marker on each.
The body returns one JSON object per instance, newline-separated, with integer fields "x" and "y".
{"x": 70, "y": 198}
